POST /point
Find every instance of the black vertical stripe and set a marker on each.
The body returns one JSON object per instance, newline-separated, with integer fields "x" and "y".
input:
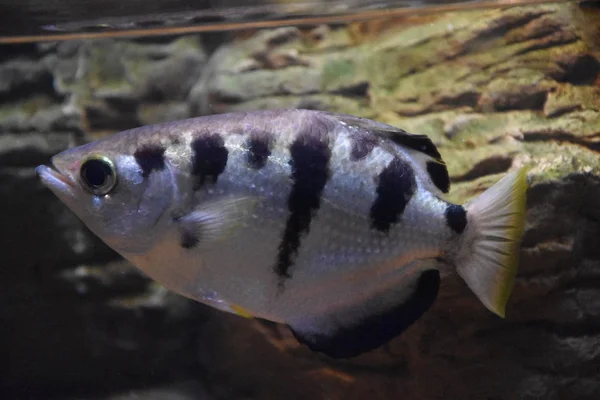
{"x": 439, "y": 175}
{"x": 259, "y": 149}
{"x": 396, "y": 186}
{"x": 310, "y": 155}
{"x": 209, "y": 158}
{"x": 456, "y": 217}
{"x": 150, "y": 158}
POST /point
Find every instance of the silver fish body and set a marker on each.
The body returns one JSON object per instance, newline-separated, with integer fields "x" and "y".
{"x": 329, "y": 223}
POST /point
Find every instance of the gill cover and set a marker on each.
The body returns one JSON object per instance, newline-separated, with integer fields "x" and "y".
{"x": 116, "y": 195}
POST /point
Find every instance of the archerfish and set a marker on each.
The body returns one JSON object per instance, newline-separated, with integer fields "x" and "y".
{"x": 331, "y": 224}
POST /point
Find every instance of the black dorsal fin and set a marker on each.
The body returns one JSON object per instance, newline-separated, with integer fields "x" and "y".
{"x": 367, "y": 333}
{"x": 420, "y": 143}
{"x": 427, "y": 155}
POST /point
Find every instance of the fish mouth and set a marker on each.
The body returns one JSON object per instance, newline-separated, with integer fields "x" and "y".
{"x": 60, "y": 183}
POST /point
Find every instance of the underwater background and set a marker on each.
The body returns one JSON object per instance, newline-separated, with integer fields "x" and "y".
{"x": 495, "y": 88}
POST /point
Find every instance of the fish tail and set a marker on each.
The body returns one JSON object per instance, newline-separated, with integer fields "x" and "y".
{"x": 487, "y": 258}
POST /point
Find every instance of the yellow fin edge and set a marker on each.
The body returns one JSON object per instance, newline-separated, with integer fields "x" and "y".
{"x": 488, "y": 256}
{"x": 514, "y": 234}
{"x": 241, "y": 311}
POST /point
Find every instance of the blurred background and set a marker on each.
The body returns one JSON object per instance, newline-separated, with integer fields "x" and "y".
{"x": 497, "y": 85}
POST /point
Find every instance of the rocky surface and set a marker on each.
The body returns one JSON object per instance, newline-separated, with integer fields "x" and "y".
{"x": 495, "y": 89}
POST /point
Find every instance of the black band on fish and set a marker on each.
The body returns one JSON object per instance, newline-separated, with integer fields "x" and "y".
{"x": 209, "y": 158}
{"x": 259, "y": 149}
{"x": 310, "y": 172}
{"x": 456, "y": 217}
{"x": 362, "y": 145}
{"x": 150, "y": 158}
{"x": 395, "y": 188}
{"x": 439, "y": 175}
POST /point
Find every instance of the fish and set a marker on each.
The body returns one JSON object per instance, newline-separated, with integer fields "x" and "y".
{"x": 334, "y": 225}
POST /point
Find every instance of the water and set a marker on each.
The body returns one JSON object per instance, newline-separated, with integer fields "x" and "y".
{"x": 68, "y": 20}
{"x": 495, "y": 88}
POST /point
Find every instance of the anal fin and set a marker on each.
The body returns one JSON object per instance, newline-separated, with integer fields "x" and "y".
{"x": 342, "y": 335}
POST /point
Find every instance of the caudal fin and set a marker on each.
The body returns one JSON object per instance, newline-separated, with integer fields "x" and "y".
{"x": 488, "y": 255}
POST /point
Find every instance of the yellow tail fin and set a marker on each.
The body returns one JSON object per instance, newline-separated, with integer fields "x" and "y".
{"x": 488, "y": 256}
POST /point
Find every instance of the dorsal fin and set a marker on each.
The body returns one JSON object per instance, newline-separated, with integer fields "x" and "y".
{"x": 420, "y": 148}
{"x": 420, "y": 143}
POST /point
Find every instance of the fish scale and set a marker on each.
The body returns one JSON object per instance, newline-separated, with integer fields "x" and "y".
{"x": 331, "y": 224}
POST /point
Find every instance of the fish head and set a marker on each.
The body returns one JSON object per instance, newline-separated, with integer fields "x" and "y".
{"x": 103, "y": 184}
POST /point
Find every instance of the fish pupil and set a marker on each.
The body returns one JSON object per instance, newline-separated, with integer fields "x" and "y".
{"x": 95, "y": 172}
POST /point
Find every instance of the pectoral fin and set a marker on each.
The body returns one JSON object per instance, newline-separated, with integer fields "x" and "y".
{"x": 214, "y": 221}
{"x": 360, "y": 328}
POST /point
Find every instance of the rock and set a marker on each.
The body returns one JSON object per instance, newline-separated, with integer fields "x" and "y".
{"x": 107, "y": 80}
{"x": 39, "y": 114}
{"x": 567, "y": 97}
{"x": 495, "y": 89}
{"x": 285, "y": 67}
{"x": 27, "y": 149}
{"x": 21, "y": 74}
{"x": 152, "y": 113}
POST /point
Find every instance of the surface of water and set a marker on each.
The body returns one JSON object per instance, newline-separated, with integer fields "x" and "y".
{"x": 495, "y": 85}
{"x": 66, "y": 20}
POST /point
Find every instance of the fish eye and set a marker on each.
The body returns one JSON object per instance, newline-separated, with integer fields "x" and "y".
{"x": 98, "y": 175}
